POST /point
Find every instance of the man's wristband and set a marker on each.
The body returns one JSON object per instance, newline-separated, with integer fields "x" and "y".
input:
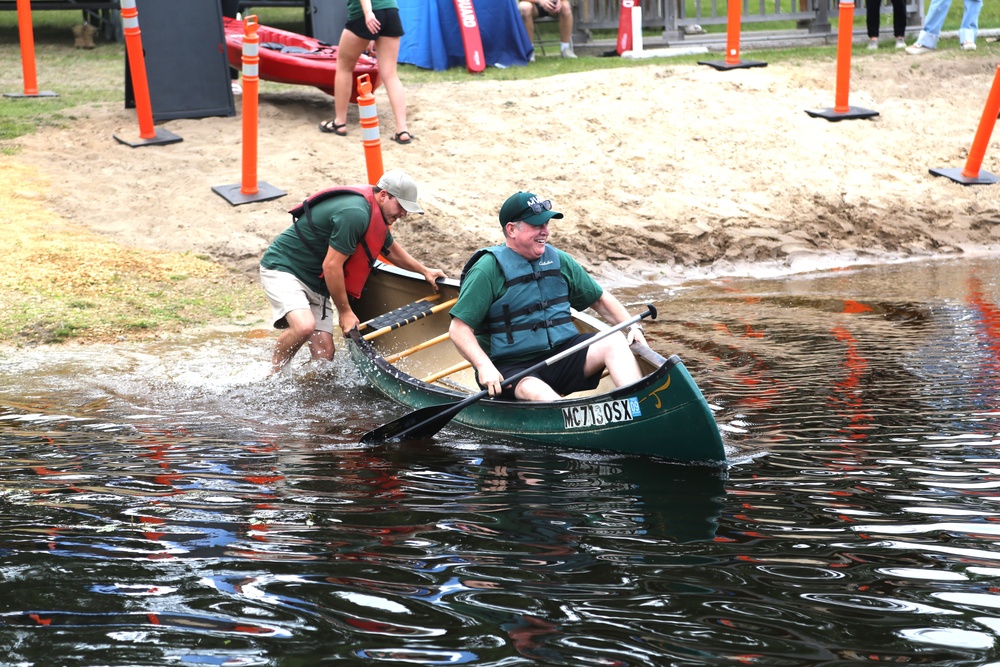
{"x": 633, "y": 328}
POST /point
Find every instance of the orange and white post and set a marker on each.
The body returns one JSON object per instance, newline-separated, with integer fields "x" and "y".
{"x": 148, "y": 134}
{"x": 26, "y": 33}
{"x": 369, "y": 129}
{"x": 249, "y": 189}
{"x": 845, "y": 39}
{"x": 251, "y": 110}
{"x": 734, "y": 19}
{"x": 972, "y": 174}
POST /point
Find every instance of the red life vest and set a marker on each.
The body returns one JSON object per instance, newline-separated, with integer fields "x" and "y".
{"x": 359, "y": 265}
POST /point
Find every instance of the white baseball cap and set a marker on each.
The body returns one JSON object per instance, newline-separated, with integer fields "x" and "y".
{"x": 399, "y": 184}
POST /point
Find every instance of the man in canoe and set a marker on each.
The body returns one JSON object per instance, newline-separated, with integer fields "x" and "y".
{"x": 327, "y": 253}
{"x": 513, "y": 310}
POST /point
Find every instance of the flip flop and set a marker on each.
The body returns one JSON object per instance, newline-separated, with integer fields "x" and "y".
{"x": 331, "y": 127}
{"x": 398, "y": 137}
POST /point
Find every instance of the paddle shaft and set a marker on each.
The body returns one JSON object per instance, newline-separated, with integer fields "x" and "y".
{"x": 443, "y": 414}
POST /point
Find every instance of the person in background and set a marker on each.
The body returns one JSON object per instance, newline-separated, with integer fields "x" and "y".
{"x": 560, "y": 9}
{"x": 328, "y": 253}
{"x": 514, "y": 310}
{"x": 937, "y": 12}
{"x": 874, "y": 8}
{"x": 369, "y": 21}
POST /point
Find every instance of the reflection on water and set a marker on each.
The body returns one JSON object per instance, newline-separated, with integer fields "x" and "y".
{"x": 168, "y": 503}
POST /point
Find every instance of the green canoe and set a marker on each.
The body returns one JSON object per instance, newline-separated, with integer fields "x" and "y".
{"x": 403, "y": 350}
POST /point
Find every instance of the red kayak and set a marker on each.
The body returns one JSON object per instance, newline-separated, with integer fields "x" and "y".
{"x": 287, "y": 57}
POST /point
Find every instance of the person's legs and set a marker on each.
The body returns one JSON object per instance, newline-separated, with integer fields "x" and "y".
{"x": 301, "y": 326}
{"x": 528, "y": 11}
{"x": 387, "y": 50}
{"x": 873, "y": 16}
{"x": 899, "y": 18}
{"x": 565, "y": 22}
{"x": 969, "y": 28}
{"x": 301, "y": 314}
{"x": 321, "y": 345}
{"x": 350, "y": 49}
{"x": 534, "y": 389}
{"x": 937, "y": 12}
{"x": 614, "y": 354}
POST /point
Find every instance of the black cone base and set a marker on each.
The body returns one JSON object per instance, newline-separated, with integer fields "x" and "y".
{"x": 232, "y": 194}
{"x": 162, "y": 137}
{"x": 852, "y": 113}
{"x": 984, "y": 177}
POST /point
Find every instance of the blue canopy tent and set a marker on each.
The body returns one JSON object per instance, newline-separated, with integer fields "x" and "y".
{"x": 433, "y": 39}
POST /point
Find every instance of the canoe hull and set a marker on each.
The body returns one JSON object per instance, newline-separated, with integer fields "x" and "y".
{"x": 664, "y": 414}
{"x": 316, "y": 68}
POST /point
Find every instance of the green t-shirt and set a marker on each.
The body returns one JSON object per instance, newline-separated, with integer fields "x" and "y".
{"x": 340, "y": 223}
{"x": 354, "y": 10}
{"x": 484, "y": 284}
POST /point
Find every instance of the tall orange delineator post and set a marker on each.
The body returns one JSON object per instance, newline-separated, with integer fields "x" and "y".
{"x": 27, "y": 35}
{"x": 148, "y": 134}
{"x": 250, "y": 189}
{"x": 369, "y": 129}
{"x": 841, "y": 109}
{"x": 972, "y": 174}
{"x": 732, "y": 61}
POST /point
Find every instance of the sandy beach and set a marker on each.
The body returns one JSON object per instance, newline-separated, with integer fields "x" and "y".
{"x": 662, "y": 171}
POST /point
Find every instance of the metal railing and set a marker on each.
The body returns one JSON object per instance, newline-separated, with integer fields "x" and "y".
{"x": 673, "y": 16}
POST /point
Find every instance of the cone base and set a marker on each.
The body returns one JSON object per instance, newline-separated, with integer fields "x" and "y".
{"x": 852, "y": 113}
{"x": 723, "y": 65}
{"x": 233, "y": 194}
{"x": 40, "y": 93}
{"x": 955, "y": 174}
{"x": 162, "y": 137}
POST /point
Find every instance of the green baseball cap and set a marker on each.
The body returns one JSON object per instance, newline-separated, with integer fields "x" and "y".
{"x": 527, "y": 207}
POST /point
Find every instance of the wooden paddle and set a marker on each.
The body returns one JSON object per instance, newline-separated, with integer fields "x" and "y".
{"x": 425, "y": 422}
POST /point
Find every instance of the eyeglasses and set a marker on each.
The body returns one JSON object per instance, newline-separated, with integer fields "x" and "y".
{"x": 535, "y": 208}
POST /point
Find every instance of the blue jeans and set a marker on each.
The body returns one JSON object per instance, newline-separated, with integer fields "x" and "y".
{"x": 934, "y": 21}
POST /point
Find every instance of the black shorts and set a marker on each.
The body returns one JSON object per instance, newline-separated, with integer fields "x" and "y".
{"x": 565, "y": 376}
{"x": 391, "y": 25}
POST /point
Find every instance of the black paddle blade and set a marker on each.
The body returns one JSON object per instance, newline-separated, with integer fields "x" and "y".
{"x": 419, "y": 424}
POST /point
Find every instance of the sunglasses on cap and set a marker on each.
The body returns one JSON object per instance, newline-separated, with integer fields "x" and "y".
{"x": 535, "y": 209}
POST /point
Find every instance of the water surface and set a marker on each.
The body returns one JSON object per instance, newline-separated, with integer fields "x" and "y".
{"x": 165, "y": 503}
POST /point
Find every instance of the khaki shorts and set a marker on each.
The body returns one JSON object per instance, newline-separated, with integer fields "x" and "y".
{"x": 287, "y": 293}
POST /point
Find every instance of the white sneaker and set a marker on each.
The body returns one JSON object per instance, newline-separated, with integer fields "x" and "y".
{"x": 237, "y": 89}
{"x": 900, "y": 43}
{"x": 918, "y": 50}
{"x": 873, "y": 45}
{"x": 969, "y": 46}
{"x": 567, "y": 51}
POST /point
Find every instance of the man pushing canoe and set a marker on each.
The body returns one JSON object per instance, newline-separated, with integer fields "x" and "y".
{"x": 327, "y": 253}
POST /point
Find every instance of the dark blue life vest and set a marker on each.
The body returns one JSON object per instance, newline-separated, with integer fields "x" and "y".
{"x": 534, "y": 314}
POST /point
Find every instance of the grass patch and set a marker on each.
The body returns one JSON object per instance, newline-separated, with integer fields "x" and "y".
{"x": 60, "y": 282}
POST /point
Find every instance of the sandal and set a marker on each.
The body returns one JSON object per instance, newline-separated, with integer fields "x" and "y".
{"x": 332, "y": 127}
{"x": 398, "y": 137}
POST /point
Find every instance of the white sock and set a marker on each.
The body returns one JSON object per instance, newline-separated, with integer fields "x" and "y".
{"x": 564, "y": 45}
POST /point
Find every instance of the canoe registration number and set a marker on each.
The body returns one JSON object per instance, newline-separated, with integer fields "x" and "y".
{"x": 599, "y": 414}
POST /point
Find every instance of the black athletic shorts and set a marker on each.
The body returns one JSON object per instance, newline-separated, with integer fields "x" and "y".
{"x": 391, "y": 25}
{"x": 565, "y": 376}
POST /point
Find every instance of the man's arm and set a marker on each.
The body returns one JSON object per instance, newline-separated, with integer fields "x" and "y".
{"x": 403, "y": 260}
{"x": 333, "y": 274}
{"x": 464, "y": 339}
{"x": 612, "y": 310}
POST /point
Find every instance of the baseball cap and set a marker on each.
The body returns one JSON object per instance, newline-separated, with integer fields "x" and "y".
{"x": 399, "y": 184}
{"x": 528, "y": 208}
